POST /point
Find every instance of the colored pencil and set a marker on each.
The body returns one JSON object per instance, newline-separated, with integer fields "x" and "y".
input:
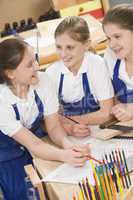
{"x": 119, "y": 182}
{"x": 88, "y": 189}
{"x": 123, "y": 169}
{"x": 120, "y": 170}
{"x": 94, "y": 159}
{"x": 72, "y": 120}
{"x": 102, "y": 186}
{"x": 113, "y": 172}
{"x": 112, "y": 186}
{"x": 125, "y": 162}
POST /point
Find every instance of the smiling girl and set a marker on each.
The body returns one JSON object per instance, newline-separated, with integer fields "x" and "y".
{"x": 118, "y": 27}
{"x": 27, "y": 99}
{"x": 82, "y": 83}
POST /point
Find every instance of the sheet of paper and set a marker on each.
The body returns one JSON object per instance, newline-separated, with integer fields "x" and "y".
{"x": 68, "y": 174}
{"x": 100, "y": 147}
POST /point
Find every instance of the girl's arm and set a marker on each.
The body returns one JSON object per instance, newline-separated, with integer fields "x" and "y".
{"x": 99, "y": 116}
{"x": 50, "y": 152}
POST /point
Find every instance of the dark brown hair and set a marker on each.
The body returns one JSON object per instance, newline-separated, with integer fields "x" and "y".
{"x": 11, "y": 54}
{"x": 76, "y": 27}
{"x": 121, "y": 15}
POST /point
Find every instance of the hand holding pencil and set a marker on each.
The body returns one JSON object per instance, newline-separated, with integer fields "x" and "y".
{"x": 77, "y": 154}
{"x": 74, "y": 128}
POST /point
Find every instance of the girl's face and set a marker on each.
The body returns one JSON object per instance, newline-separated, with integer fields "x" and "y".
{"x": 119, "y": 40}
{"x": 26, "y": 71}
{"x": 70, "y": 51}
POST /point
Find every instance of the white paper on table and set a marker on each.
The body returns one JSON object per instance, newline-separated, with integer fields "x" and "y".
{"x": 66, "y": 173}
{"x": 100, "y": 147}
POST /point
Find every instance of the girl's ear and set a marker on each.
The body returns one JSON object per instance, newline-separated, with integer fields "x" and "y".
{"x": 88, "y": 45}
{"x": 10, "y": 74}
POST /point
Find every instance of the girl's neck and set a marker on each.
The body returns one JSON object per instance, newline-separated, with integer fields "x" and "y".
{"x": 20, "y": 91}
{"x": 129, "y": 60}
{"x": 74, "y": 69}
{"x": 129, "y": 66}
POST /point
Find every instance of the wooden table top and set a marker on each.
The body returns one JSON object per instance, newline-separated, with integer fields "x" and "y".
{"x": 56, "y": 191}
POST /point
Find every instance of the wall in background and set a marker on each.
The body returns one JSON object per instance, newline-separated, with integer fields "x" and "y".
{"x": 115, "y": 2}
{"x": 16, "y": 10}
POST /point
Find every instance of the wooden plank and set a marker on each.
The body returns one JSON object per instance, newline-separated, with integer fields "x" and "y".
{"x": 32, "y": 174}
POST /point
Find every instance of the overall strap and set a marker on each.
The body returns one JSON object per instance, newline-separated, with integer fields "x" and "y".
{"x": 85, "y": 82}
{"x": 116, "y": 68}
{"x": 39, "y": 102}
{"x": 36, "y": 125}
{"x": 61, "y": 85}
{"x": 16, "y": 111}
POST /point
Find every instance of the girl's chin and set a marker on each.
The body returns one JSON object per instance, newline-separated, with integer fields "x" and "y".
{"x": 120, "y": 56}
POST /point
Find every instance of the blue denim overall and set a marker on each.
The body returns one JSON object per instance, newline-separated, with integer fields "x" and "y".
{"x": 123, "y": 94}
{"x": 13, "y": 157}
{"x": 85, "y": 105}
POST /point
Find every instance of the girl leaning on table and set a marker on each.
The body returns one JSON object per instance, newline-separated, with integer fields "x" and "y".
{"x": 81, "y": 79}
{"x": 26, "y": 99}
{"x": 118, "y": 27}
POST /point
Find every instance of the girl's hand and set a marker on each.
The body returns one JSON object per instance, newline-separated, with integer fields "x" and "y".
{"x": 77, "y": 155}
{"x": 123, "y": 112}
{"x": 75, "y": 129}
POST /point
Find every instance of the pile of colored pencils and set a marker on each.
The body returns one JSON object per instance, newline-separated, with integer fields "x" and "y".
{"x": 112, "y": 179}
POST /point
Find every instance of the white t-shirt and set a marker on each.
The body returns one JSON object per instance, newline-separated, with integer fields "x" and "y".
{"x": 110, "y": 60}
{"x": 28, "y": 109}
{"x": 98, "y": 78}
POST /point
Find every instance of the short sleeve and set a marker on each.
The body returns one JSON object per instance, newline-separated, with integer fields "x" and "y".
{"x": 47, "y": 92}
{"x": 110, "y": 60}
{"x": 8, "y": 123}
{"x": 53, "y": 72}
{"x": 102, "y": 84}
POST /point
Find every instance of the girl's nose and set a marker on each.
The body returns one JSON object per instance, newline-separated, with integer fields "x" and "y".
{"x": 112, "y": 44}
{"x": 63, "y": 53}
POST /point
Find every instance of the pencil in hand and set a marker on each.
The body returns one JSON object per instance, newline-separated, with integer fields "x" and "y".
{"x": 94, "y": 159}
{"x": 76, "y": 122}
{"x": 89, "y": 157}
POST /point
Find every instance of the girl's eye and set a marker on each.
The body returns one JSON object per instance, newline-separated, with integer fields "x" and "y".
{"x": 58, "y": 47}
{"x": 117, "y": 36}
{"x": 70, "y": 47}
{"x": 108, "y": 38}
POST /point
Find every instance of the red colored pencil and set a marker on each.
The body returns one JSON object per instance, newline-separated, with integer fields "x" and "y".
{"x": 94, "y": 159}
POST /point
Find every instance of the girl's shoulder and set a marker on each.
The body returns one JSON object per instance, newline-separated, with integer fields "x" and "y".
{"x": 95, "y": 63}
{"x": 110, "y": 60}
{"x": 6, "y": 96}
{"x": 109, "y": 56}
{"x": 54, "y": 68}
{"x": 91, "y": 57}
{"x": 44, "y": 85}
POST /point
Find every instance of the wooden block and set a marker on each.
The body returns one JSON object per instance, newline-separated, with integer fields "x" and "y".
{"x": 106, "y": 134}
{"x": 34, "y": 178}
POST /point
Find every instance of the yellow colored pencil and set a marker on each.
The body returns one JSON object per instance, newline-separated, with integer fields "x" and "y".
{"x": 92, "y": 192}
{"x": 119, "y": 182}
{"x": 112, "y": 186}
{"x": 107, "y": 185}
